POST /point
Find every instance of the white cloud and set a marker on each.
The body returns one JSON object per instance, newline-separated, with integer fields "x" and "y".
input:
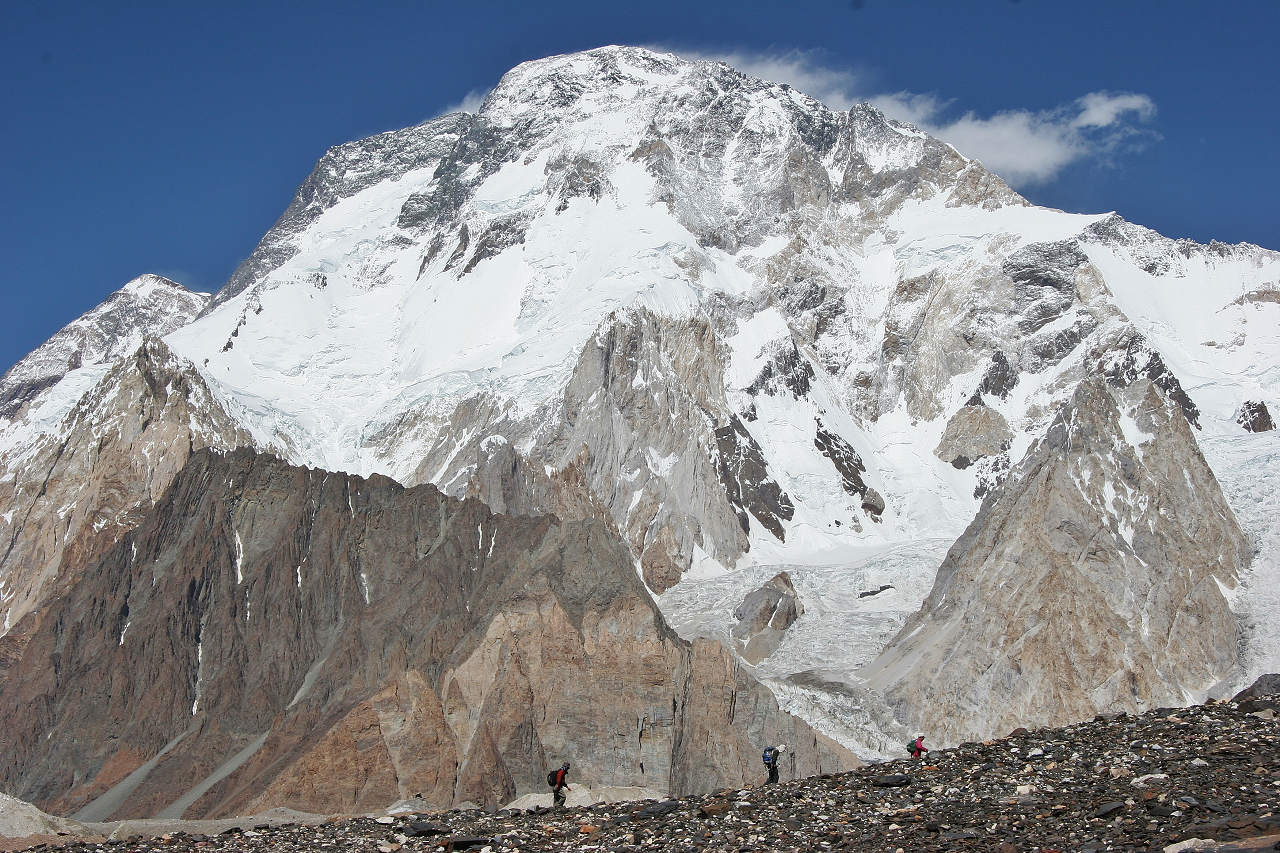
{"x": 1025, "y": 147}
{"x": 1021, "y": 146}
{"x": 470, "y": 102}
{"x": 1103, "y": 109}
{"x": 1028, "y": 147}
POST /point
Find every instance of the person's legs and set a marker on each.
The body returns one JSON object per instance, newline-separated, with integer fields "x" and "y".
{"x": 559, "y": 797}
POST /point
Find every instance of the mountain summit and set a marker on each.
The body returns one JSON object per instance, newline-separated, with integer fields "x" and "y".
{"x": 729, "y": 332}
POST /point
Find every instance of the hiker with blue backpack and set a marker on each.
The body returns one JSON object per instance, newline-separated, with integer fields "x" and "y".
{"x": 770, "y": 757}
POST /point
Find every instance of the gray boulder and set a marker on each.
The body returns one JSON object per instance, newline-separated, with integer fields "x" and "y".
{"x": 764, "y": 616}
{"x": 973, "y": 432}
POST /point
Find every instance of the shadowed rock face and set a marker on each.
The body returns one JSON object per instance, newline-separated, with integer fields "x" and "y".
{"x": 787, "y": 371}
{"x": 1267, "y": 684}
{"x": 746, "y": 479}
{"x": 849, "y": 464}
{"x": 1138, "y": 359}
{"x": 1254, "y": 417}
{"x": 1116, "y": 529}
{"x": 1044, "y": 281}
{"x": 1000, "y": 377}
{"x": 280, "y": 636}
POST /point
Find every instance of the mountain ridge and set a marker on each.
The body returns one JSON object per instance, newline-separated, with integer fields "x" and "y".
{"x": 748, "y": 333}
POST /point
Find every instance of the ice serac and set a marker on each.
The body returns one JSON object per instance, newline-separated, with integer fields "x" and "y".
{"x": 283, "y": 636}
{"x": 1094, "y": 579}
{"x": 149, "y": 306}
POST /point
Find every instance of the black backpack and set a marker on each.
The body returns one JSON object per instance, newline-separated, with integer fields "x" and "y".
{"x": 551, "y": 778}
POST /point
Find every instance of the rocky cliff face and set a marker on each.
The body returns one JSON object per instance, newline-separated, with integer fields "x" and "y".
{"x": 639, "y": 423}
{"x": 284, "y": 636}
{"x": 1116, "y": 529}
{"x": 72, "y": 492}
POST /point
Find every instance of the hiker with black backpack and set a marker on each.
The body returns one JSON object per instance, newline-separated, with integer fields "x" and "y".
{"x": 770, "y": 757}
{"x": 917, "y": 747}
{"x": 559, "y": 782}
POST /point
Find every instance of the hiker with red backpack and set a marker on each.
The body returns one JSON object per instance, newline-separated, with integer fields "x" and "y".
{"x": 559, "y": 782}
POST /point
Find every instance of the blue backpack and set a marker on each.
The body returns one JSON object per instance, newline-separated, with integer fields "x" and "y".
{"x": 770, "y": 756}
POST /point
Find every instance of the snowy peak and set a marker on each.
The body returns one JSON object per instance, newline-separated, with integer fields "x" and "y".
{"x": 479, "y": 253}
{"x": 147, "y": 306}
{"x": 574, "y": 82}
{"x": 341, "y": 173}
{"x": 731, "y": 153}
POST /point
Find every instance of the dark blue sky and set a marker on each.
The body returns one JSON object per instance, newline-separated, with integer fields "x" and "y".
{"x": 167, "y": 137}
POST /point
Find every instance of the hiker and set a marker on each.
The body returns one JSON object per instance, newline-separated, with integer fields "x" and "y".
{"x": 559, "y": 782}
{"x": 917, "y": 748}
{"x": 770, "y": 756}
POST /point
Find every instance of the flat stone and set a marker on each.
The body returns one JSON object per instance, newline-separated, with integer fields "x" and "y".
{"x": 424, "y": 829}
{"x": 892, "y": 780}
{"x": 1192, "y": 844}
{"x": 661, "y": 809}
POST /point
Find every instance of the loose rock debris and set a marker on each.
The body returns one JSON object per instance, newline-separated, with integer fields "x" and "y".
{"x": 1200, "y": 778}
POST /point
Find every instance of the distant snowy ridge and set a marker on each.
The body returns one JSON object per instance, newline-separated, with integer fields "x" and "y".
{"x": 148, "y": 306}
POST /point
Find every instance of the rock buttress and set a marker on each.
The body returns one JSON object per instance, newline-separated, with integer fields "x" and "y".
{"x": 281, "y": 636}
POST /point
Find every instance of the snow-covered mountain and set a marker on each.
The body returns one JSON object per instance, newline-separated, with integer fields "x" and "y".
{"x": 150, "y": 306}
{"x": 752, "y": 334}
